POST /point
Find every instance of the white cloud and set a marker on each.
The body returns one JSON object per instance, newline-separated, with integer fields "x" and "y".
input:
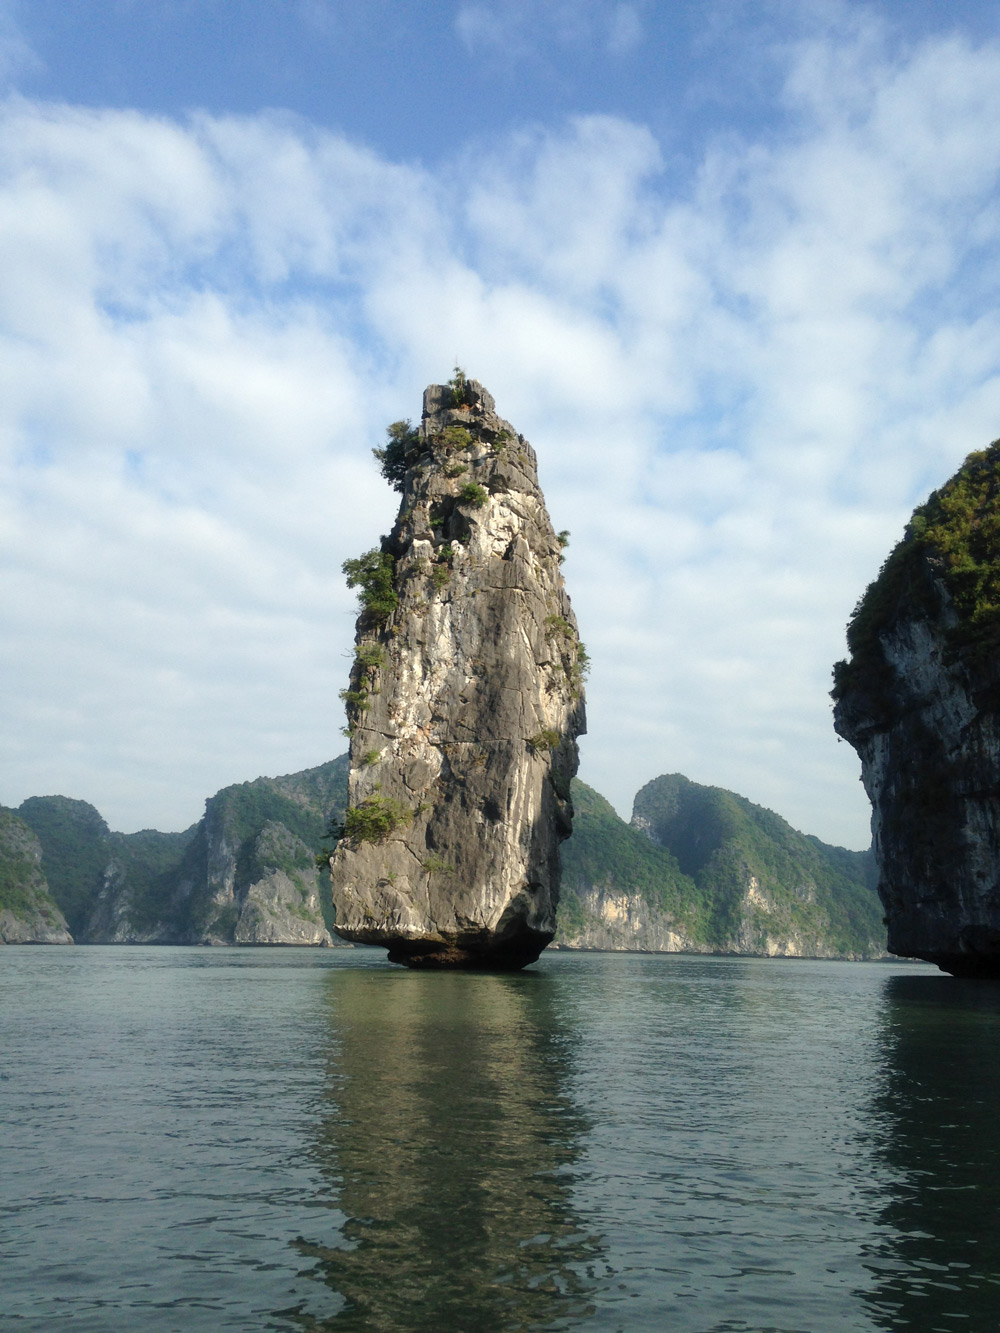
{"x": 737, "y": 396}
{"x": 518, "y": 29}
{"x": 320, "y": 16}
{"x": 625, "y": 33}
{"x": 17, "y": 57}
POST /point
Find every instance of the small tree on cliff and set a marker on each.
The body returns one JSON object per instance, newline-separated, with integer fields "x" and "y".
{"x": 402, "y": 438}
{"x": 372, "y": 574}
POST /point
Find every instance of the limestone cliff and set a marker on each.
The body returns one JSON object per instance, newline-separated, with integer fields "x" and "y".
{"x": 622, "y": 892}
{"x": 250, "y": 875}
{"x": 245, "y": 874}
{"x": 28, "y": 914}
{"x": 703, "y": 870}
{"x": 766, "y": 889}
{"x": 465, "y": 701}
{"x": 609, "y": 919}
{"x": 918, "y": 699}
{"x": 76, "y": 847}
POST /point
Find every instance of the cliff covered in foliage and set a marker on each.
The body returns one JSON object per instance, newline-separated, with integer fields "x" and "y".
{"x": 245, "y": 874}
{"x": 918, "y": 698}
{"x": 702, "y": 870}
{"x": 749, "y": 884}
{"x": 28, "y": 912}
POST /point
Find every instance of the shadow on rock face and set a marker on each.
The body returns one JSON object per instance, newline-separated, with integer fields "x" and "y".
{"x": 491, "y": 955}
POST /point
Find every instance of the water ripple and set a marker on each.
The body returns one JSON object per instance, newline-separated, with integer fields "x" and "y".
{"x": 266, "y": 1139}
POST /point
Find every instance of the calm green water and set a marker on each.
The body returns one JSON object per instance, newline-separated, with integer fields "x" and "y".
{"x": 273, "y": 1139}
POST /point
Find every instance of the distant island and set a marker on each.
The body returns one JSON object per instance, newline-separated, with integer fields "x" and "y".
{"x": 698, "y": 869}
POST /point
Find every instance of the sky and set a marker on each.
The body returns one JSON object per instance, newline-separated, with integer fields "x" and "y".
{"x": 732, "y": 268}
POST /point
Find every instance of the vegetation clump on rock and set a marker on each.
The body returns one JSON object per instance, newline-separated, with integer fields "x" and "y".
{"x": 374, "y": 818}
{"x": 372, "y": 574}
{"x": 952, "y": 545}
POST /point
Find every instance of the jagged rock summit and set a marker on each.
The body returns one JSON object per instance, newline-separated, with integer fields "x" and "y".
{"x": 465, "y": 701}
{"x": 919, "y": 699}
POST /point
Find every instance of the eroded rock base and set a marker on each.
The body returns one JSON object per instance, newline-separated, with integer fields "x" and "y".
{"x": 967, "y": 965}
{"x": 488, "y": 955}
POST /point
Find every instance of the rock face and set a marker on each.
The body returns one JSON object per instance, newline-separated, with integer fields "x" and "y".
{"x": 250, "y": 874}
{"x": 765, "y": 888}
{"x": 76, "y": 847}
{"x": 28, "y": 914}
{"x": 609, "y": 920}
{"x": 918, "y": 699}
{"x": 620, "y": 890}
{"x": 702, "y": 870}
{"x": 466, "y": 700}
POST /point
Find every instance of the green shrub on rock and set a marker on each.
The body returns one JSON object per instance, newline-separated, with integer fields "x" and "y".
{"x": 473, "y": 494}
{"x": 437, "y": 865}
{"x": 375, "y": 818}
{"x": 454, "y": 437}
{"x": 369, "y": 656}
{"x": 403, "y": 438}
{"x": 372, "y": 574}
{"x": 547, "y": 739}
{"x": 462, "y": 394}
{"x": 356, "y": 699}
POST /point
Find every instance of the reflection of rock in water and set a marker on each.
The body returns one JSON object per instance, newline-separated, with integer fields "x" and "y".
{"x": 939, "y": 1264}
{"x": 449, "y": 1140}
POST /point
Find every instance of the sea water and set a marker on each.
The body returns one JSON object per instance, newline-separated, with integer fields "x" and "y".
{"x": 203, "y": 1139}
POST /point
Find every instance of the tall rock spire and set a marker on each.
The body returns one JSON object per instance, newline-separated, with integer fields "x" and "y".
{"x": 465, "y": 701}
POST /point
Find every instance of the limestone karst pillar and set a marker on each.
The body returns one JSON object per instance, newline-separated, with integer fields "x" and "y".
{"x": 465, "y": 701}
